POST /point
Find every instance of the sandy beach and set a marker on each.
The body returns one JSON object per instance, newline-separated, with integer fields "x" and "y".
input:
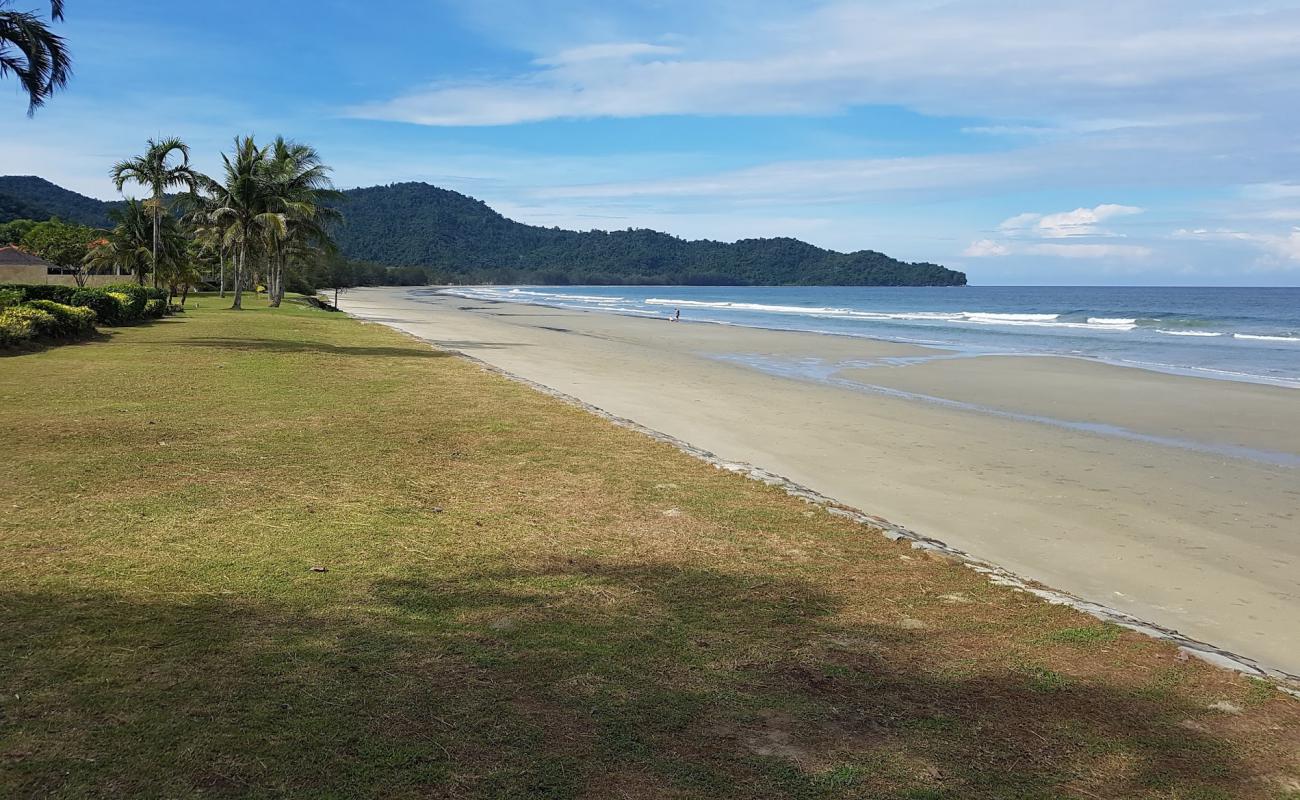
{"x": 1169, "y": 498}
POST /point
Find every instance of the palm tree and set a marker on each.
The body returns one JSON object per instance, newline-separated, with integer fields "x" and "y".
{"x": 199, "y": 207}
{"x": 297, "y": 183}
{"x": 155, "y": 172}
{"x": 31, "y": 51}
{"x": 128, "y": 246}
{"x": 243, "y": 210}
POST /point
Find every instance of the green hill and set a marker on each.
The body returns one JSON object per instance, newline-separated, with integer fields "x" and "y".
{"x": 30, "y": 197}
{"x": 447, "y": 236}
{"x": 418, "y": 224}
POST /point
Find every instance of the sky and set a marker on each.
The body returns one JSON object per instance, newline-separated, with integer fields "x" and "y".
{"x": 1147, "y": 143}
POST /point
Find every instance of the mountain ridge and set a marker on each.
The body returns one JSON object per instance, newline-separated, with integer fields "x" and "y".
{"x": 452, "y": 237}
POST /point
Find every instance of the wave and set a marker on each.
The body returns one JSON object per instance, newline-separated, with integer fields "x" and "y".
{"x": 1188, "y": 333}
{"x": 967, "y": 317}
{"x": 1261, "y": 337}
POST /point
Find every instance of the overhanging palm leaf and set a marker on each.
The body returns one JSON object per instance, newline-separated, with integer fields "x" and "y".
{"x": 34, "y": 53}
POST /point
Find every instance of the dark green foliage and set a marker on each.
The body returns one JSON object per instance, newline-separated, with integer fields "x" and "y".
{"x": 155, "y": 308}
{"x": 106, "y": 307}
{"x": 43, "y": 291}
{"x": 12, "y": 232}
{"x": 460, "y": 239}
{"x": 10, "y": 297}
{"x": 138, "y": 298}
{"x": 59, "y": 242}
{"x": 31, "y": 197}
{"x": 70, "y": 322}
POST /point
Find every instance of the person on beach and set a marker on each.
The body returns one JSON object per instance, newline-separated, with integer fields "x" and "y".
{"x": 677, "y": 314}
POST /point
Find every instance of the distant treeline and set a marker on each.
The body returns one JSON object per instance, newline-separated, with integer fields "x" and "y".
{"x": 414, "y": 233}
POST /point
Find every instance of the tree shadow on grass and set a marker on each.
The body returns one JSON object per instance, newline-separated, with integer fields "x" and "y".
{"x": 287, "y": 346}
{"x": 575, "y": 679}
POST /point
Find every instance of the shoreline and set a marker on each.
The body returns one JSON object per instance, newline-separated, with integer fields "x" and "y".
{"x": 959, "y": 350}
{"x": 1170, "y": 534}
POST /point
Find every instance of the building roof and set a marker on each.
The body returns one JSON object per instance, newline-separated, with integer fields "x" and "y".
{"x": 11, "y": 256}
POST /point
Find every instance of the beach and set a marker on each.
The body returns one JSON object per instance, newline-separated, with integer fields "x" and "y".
{"x": 1172, "y": 499}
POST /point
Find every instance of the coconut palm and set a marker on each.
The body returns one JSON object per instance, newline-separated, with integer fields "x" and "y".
{"x": 155, "y": 171}
{"x": 298, "y": 184}
{"x": 243, "y": 207}
{"x": 128, "y": 247}
{"x": 31, "y": 51}
{"x": 198, "y": 208}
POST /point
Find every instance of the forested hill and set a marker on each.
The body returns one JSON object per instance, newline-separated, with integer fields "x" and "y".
{"x": 436, "y": 235}
{"x": 30, "y": 197}
{"x": 417, "y": 224}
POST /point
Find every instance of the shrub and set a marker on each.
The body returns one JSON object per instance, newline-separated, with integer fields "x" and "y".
{"x": 57, "y": 293}
{"x": 22, "y": 323}
{"x": 108, "y": 309}
{"x": 133, "y": 299}
{"x": 10, "y": 297}
{"x": 155, "y": 308}
{"x": 73, "y": 322}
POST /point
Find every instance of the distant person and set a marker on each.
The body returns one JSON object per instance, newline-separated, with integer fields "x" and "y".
{"x": 677, "y": 314}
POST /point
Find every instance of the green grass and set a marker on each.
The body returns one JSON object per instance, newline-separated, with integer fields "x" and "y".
{"x": 505, "y": 610}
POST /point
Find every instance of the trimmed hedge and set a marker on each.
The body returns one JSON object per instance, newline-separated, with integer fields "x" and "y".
{"x": 67, "y": 312}
{"x": 132, "y": 298}
{"x": 73, "y": 322}
{"x": 57, "y": 293}
{"x": 108, "y": 309}
{"x": 19, "y": 324}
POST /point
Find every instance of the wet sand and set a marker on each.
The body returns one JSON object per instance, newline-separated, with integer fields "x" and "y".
{"x": 1176, "y": 500}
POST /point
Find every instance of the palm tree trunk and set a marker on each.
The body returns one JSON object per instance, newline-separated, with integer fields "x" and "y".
{"x": 277, "y": 277}
{"x": 239, "y": 283}
{"x": 157, "y": 221}
{"x": 222, "y": 250}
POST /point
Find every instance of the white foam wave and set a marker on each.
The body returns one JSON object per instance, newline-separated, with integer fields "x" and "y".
{"x": 1262, "y": 338}
{"x": 1188, "y": 333}
{"x": 1112, "y": 321}
{"x": 984, "y": 316}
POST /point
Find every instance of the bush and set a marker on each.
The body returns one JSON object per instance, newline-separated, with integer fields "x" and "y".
{"x": 57, "y": 293}
{"x": 19, "y": 324}
{"x": 10, "y": 297}
{"x": 73, "y": 322}
{"x": 133, "y": 299}
{"x": 108, "y": 309}
{"x": 155, "y": 308}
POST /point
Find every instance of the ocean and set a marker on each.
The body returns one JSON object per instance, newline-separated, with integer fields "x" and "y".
{"x": 1242, "y": 334}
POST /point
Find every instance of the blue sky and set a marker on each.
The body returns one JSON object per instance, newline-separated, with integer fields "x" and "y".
{"x": 1037, "y": 143}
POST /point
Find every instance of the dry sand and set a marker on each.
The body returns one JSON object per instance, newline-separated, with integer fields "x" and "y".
{"x": 1183, "y": 511}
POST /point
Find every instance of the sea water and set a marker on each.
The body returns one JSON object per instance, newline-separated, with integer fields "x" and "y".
{"x": 1244, "y": 334}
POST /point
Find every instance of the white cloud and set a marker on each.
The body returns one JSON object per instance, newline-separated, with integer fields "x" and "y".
{"x": 1124, "y": 251}
{"x": 603, "y": 52}
{"x": 986, "y": 248}
{"x": 1065, "y": 224}
{"x": 1284, "y": 247}
{"x": 1140, "y": 65}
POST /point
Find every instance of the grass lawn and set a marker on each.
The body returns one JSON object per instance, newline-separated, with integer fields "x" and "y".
{"x": 282, "y": 553}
